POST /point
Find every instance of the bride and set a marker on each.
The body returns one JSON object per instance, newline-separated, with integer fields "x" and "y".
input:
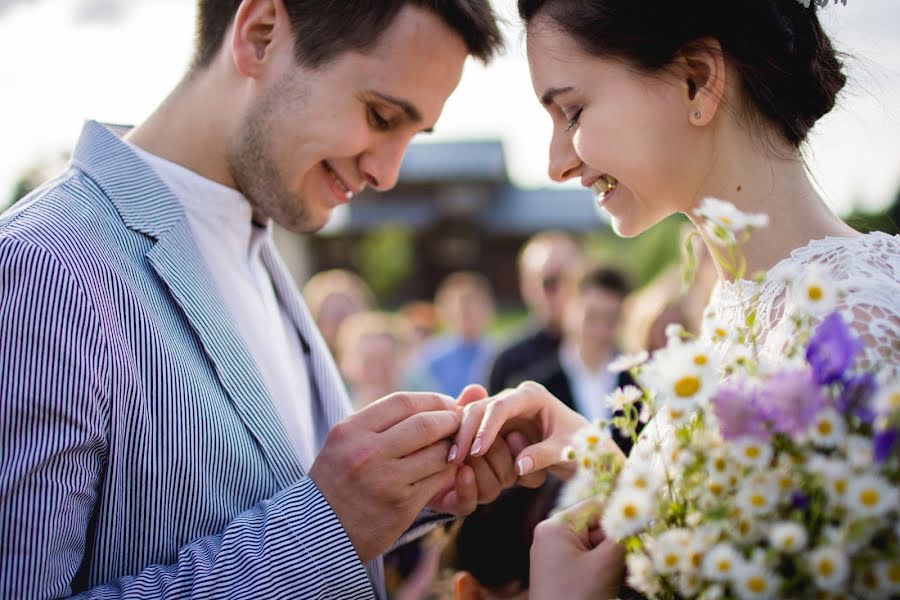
{"x": 657, "y": 105}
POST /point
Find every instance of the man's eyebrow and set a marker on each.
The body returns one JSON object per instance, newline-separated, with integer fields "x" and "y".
{"x": 550, "y": 94}
{"x": 412, "y": 113}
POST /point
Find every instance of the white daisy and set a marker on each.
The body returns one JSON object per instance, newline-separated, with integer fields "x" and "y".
{"x": 829, "y": 567}
{"x": 629, "y": 511}
{"x": 887, "y": 400}
{"x": 713, "y": 592}
{"x": 721, "y": 562}
{"x": 828, "y": 429}
{"x": 835, "y": 478}
{"x": 641, "y": 575}
{"x": 788, "y": 537}
{"x": 623, "y": 396}
{"x": 858, "y": 450}
{"x": 752, "y": 453}
{"x": 888, "y": 572}
{"x": 754, "y": 582}
{"x": 722, "y": 220}
{"x": 689, "y": 584}
{"x": 667, "y": 552}
{"x": 815, "y": 292}
{"x": 626, "y": 362}
{"x": 871, "y": 496}
{"x": 645, "y": 476}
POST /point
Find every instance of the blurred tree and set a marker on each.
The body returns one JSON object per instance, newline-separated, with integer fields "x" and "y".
{"x": 644, "y": 256}
{"x": 887, "y": 220}
{"x": 385, "y": 258}
{"x": 34, "y": 177}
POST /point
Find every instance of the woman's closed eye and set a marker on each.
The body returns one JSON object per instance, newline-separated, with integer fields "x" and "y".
{"x": 572, "y": 121}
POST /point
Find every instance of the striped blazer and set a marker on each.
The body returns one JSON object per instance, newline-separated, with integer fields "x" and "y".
{"x": 141, "y": 455}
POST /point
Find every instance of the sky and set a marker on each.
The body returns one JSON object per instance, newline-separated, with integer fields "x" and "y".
{"x": 64, "y": 61}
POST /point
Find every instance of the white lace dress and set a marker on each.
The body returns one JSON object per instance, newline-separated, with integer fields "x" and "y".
{"x": 867, "y": 267}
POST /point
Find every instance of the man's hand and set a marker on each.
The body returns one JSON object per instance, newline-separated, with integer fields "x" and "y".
{"x": 379, "y": 467}
{"x": 572, "y": 558}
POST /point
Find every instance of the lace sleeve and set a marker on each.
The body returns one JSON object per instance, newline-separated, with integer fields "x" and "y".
{"x": 868, "y": 270}
{"x": 866, "y": 267}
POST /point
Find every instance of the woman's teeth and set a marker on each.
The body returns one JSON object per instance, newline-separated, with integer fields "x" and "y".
{"x": 604, "y": 185}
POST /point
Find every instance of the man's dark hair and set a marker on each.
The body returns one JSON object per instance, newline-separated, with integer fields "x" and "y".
{"x": 605, "y": 278}
{"x": 325, "y": 28}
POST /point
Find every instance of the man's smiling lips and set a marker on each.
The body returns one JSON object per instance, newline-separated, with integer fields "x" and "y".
{"x": 342, "y": 190}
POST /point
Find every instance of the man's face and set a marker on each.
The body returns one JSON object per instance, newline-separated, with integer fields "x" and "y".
{"x": 592, "y": 318}
{"x": 311, "y": 138}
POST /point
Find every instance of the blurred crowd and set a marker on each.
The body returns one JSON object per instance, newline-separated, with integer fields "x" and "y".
{"x": 580, "y": 316}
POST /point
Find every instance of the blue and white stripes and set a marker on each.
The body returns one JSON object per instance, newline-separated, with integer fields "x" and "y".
{"x": 140, "y": 454}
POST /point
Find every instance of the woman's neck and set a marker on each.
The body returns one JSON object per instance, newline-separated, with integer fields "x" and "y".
{"x": 772, "y": 181}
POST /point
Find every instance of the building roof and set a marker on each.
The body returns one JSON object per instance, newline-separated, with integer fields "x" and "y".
{"x": 471, "y": 160}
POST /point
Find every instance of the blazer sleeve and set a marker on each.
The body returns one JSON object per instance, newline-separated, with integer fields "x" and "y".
{"x": 54, "y": 381}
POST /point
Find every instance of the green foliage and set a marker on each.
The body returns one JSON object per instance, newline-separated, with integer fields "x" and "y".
{"x": 385, "y": 258}
{"x": 644, "y": 256}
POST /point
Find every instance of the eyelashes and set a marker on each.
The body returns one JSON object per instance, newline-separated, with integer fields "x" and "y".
{"x": 573, "y": 120}
{"x": 377, "y": 121}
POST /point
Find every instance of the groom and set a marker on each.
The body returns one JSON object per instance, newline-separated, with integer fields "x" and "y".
{"x": 172, "y": 422}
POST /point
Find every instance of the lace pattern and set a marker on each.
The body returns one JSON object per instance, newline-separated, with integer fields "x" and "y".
{"x": 867, "y": 267}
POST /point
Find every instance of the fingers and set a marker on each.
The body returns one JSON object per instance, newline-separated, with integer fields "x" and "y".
{"x": 469, "y": 423}
{"x": 429, "y": 486}
{"x": 538, "y": 457}
{"x": 419, "y": 431}
{"x": 500, "y": 460}
{"x": 387, "y": 412}
{"x": 464, "y": 499}
{"x": 422, "y": 464}
{"x": 527, "y": 400}
{"x": 472, "y": 393}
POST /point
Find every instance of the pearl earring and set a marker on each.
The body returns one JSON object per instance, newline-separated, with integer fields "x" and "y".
{"x": 696, "y": 115}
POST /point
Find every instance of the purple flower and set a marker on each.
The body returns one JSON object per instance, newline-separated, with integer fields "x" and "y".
{"x": 737, "y": 408}
{"x": 790, "y": 400}
{"x": 799, "y": 500}
{"x": 831, "y": 349}
{"x": 884, "y": 444}
{"x": 856, "y": 397}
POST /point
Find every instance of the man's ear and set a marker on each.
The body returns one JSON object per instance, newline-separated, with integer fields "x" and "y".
{"x": 466, "y": 587}
{"x": 700, "y": 67}
{"x": 258, "y": 24}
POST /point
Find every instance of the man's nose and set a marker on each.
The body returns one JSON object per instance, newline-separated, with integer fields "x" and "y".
{"x": 381, "y": 166}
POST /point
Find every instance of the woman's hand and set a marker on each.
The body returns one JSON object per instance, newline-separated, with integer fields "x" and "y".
{"x": 572, "y": 558}
{"x": 529, "y": 409}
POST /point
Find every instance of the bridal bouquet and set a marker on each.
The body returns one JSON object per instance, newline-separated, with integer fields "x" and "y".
{"x": 757, "y": 476}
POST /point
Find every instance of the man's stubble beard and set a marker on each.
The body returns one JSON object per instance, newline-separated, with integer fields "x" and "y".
{"x": 253, "y": 168}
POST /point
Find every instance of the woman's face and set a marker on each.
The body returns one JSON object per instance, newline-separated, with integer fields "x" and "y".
{"x": 610, "y": 120}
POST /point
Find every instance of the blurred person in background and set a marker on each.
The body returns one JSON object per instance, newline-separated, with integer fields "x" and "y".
{"x": 334, "y": 295}
{"x": 422, "y": 318}
{"x": 577, "y": 374}
{"x": 462, "y": 355}
{"x": 371, "y": 353}
{"x": 542, "y": 265}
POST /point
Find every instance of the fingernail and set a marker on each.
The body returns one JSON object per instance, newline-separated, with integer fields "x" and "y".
{"x": 452, "y": 456}
{"x": 476, "y": 447}
{"x": 524, "y": 466}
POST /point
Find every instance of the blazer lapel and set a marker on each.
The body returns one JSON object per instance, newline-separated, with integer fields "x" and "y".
{"x": 333, "y": 400}
{"x": 147, "y": 205}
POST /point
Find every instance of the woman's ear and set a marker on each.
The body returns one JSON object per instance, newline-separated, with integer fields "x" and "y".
{"x": 466, "y": 587}
{"x": 701, "y": 70}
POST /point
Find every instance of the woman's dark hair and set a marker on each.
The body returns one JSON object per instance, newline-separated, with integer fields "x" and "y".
{"x": 789, "y": 70}
{"x": 325, "y": 28}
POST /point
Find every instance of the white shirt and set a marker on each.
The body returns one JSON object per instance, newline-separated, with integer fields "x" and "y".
{"x": 589, "y": 387}
{"x": 221, "y": 219}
